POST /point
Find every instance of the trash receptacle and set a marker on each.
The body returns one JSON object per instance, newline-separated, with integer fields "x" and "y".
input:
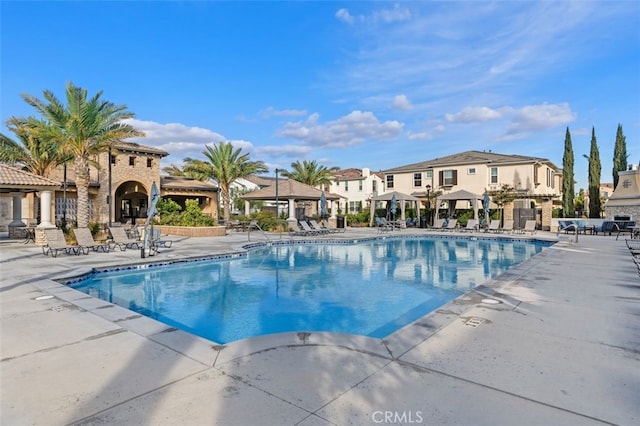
{"x": 340, "y": 222}
{"x": 423, "y": 222}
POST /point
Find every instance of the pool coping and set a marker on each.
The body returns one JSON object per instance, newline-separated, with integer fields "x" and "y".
{"x": 211, "y": 353}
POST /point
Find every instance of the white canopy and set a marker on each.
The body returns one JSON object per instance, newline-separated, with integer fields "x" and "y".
{"x": 453, "y": 197}
{"x": 401, "y": 199}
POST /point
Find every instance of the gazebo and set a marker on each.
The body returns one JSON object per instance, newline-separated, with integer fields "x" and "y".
{"x": 400, "y": 198}
{"x": 452, "y": 199}
{"x": 292, "y": 191}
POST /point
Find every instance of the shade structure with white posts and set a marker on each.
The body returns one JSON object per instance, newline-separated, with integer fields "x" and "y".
{"x": 452, "y": 199}
{"x": 400, "y": 199}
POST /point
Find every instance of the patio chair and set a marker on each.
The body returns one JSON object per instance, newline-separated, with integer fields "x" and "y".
{"x": 451, "y": 225}
{"x": 440, "y": 225}
{"x": 298, "y": 231}
{"x": 383, "y": 225}
{"x": 86, "y": 240}
{"x": 529, "y": 226}
{"x": 317, "y": 227}
{"x": 508, "y": 226}
{"x": 471, "y": 226}
{"x": 56, "y": 242}
{"x": 494, "y": 226}
{"x": 120, "y": 239}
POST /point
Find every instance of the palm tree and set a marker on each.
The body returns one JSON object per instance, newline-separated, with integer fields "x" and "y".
{"x": 186, "y": 171}
{"x": 224, "y": 164}
{"x": 311, "y": 173}
{"x": 37, "y": 149}
{"x": 88, "y": 127}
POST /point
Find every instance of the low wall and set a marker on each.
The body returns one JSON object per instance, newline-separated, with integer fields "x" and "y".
{"x": 193, "y": 231}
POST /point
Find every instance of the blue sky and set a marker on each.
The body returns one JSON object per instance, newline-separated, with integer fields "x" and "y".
{"x": 348, "y": 84}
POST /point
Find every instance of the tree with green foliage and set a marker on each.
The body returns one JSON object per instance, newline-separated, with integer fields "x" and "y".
{"x": 568, "y": 179}
{"x": 37, "y": 149}
{"x": 311, "y": 173}
{"x": 620, "y": 156}
{"x": 502, "y": 196}
{"x": 87, "y": 128}
{"x": 224, "y": 164}
{"x": 595, "y": 169}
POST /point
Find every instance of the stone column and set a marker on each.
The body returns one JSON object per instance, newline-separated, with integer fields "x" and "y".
{"x": 247, "y": 208}
{"x": 547, "y": 213}
{"x": 17, "y": 210}
{"x": 291, "y": 220}
{"x": 45, "y": 210}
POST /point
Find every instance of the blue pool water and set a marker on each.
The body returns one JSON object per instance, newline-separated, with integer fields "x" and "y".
{"x": 370, "y": 288}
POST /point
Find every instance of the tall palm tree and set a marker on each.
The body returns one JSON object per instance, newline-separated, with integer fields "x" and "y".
{"x": 311, "y": 173}
{"x": 37, "y": 149}
{"x": 224, "y": 164}
{"x": 88, "y": 127}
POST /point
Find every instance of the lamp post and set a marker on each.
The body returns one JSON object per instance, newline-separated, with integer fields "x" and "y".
{"x": 428, "y": 205}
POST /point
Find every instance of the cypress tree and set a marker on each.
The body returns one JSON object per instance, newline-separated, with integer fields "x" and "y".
{"x": 595, "y": 168}
{"x": 619, "y": 155}
{"x": 568, "y": 180}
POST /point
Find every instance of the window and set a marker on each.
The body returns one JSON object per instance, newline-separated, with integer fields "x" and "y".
{"x": 132, "y": 161}
{"x": 149, "y": 162}
{"x": 417, "y": 180}
{"x": 494, "y": 175}
{"x": 471, "y": 171}
{"x": 374, "y": 185}
{"x": 448, "y": 177}
{"x": 354, "y": 206}
{"x": 113, "y": 158}
{"x": 360, "y": 185}
{"x": 550, "y": 178}
{"x": 389, "y": 181}
{"x": 346, "y": 186}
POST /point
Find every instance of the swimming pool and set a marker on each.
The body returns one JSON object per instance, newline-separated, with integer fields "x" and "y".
{"x": 371, "y": 288}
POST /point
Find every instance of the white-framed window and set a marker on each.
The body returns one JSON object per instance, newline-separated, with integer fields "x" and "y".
{"x": 389, "y": 181}
{"x": 471, "y": 171}
{"x": 354, "y": 206}
{"x": 360, "y": 185}
{"x": 417, "y": 180}
{"x": 494, "y": 175}
{"x": 374, "y": 185}
{"x": 346, "y": 186}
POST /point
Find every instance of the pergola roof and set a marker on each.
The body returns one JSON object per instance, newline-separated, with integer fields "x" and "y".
{"x": 289, "y": 189}
{"x": 13, "y": 179}
{"x": 399, "y": 197}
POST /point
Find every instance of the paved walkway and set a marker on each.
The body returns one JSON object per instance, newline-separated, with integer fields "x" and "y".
{"x": 563, "y": 348}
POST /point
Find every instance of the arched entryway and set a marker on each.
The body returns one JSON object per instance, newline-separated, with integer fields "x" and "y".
{"x": 132, "y": 200}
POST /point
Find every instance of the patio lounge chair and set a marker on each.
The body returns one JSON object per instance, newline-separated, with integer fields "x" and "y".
{"x": 56, "y": 242}
{"x": 508, "y": 225}
{"x": 494, "y": 226}
{"x": 529, "y": 226}
{"x": 317, "y": 227}
{"x": 298, "y": 231}
{"x": 86, "y": 241}
{"x": 471, "y": 226}
{"x": 451, "y": 225}
{"x": 121, "y": 240}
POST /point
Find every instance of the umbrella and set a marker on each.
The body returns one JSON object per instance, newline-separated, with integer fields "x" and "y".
{"x": 485, "y": 204}
{"x": 323, "y": 205}
{"x": 394, "y": 206}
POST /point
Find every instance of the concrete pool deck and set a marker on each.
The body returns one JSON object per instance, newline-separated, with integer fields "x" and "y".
{"x": 563, "y": 347}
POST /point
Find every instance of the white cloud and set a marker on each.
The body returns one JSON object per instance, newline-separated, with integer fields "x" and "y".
{"x": 420, "y": 136}
{"x": 289, "y": 151}
{"x": 344, "y": 16}
{"x": 272, "y": 112}
{"x": 401, "y": 102}
{"x": 474, "y": 115}
{"x": 395, "y": 14}
{"x": 351, "y": 129}
{"x": 541, "y": 117}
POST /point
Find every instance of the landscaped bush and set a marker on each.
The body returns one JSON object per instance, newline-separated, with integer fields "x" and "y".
{"x": 169, "y": 213}
{"x": 360, "y": 218}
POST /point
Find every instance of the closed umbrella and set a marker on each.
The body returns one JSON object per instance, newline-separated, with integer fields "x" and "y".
{"x": 394, "y": 206}
{"x": 485, "y": 204}
{"x": 323, "y": 205}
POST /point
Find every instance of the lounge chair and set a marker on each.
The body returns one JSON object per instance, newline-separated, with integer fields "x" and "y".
{"x": 383, "y": 225}
{"x": 439, "y": 225}
{"x": 322, "y": 230}
{"x": 471, "y": 226}
{"x": 508, "y": 225}
{"x": 529, "y": 226}
{"x": 451, "y": 225}
{"x": 120, "y": 239}
{"x": 85, "y": 240}
{"x": 494, "y": 226}
{"x": 56, "y": 242}
{"x": 298, "y": 231}
{"x": 307, "y": 228}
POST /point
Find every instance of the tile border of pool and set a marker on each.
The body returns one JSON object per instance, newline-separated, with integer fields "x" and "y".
{"x": 211, "y": 353}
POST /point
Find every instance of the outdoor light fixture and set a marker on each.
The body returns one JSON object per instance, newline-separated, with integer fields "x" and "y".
{"x": 428, "y": 205}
